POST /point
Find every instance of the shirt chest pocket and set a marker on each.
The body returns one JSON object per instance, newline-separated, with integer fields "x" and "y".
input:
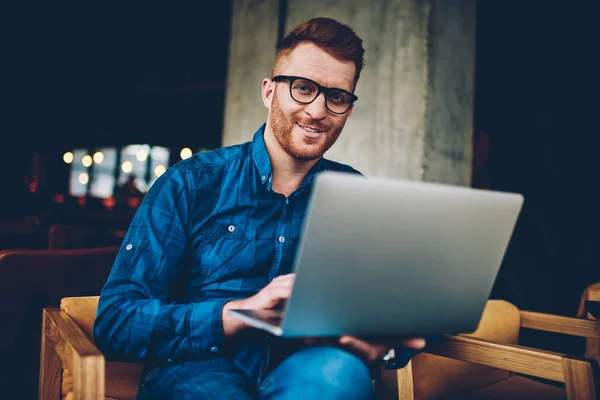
{"x": 228, "y": 251}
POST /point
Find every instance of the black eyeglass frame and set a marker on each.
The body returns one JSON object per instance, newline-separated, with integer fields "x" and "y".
{"x": 321, "y": 89}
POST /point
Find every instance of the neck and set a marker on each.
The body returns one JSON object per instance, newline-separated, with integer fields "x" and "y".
{"x": 288, "y": 172}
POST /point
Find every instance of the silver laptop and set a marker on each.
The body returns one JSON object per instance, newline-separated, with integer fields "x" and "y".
{"x": 383, "y": 256}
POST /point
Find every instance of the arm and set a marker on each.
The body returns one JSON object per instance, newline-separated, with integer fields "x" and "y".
{"x": 135, "y": 319}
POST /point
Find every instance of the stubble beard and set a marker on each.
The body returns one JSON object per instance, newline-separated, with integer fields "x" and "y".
{"x": 282, "y": 126}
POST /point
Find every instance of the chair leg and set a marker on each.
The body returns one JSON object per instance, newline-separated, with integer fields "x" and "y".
{"x": 581, "y": 378}
{"x": 50, "y": 366}
{"x": 592, "y": 346}
{"x": 406, "y": 389}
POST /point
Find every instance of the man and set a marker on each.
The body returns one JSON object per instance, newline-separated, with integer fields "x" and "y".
{"x": 219, "y": 231}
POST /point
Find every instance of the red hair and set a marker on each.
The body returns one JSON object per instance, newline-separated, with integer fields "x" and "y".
{"x": 335, "y": 38}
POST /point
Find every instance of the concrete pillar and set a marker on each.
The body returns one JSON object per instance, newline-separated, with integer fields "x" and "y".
{"x": 414, "y": 116}
{"x": 251, "y": 54}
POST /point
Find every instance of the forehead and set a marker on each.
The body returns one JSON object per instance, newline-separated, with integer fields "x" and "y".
{"x": 309, "y": 61}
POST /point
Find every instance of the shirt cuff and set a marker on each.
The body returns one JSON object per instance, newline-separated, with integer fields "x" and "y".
{"x": 206, "y": 328}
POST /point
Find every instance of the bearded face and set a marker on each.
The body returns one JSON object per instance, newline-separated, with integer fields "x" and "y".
{"x": 301, "y": 136}
{"x": 306, "y": 130}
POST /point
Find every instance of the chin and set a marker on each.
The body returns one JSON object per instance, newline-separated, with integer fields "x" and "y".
{"x": 307, "y": 153}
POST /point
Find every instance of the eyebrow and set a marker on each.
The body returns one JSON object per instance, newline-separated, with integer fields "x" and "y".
{"x": 314, "y": 80}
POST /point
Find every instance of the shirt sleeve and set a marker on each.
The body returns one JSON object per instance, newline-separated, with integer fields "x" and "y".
{"x": 136, "y": 318}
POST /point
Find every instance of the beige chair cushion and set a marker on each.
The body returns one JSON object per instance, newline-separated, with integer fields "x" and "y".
{"x": 122, "y": 379}
{"x": 513, "y": 388}
{"x": 435, "y": 376}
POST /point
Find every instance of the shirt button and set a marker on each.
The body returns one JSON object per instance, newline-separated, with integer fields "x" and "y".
{"x": 129, "y": 246}
{"x": 214, "y": 349}
{"x": 231, "y": 228}
{"x": 264, "y": 178}
{"x": 281, "y": 239}
{"x": 287, "y": 201}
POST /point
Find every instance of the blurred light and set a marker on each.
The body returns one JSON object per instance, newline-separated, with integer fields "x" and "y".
{"x": 141, "y": 155}
{"x": 160, "y": 153}
{"x": 59, "y": 198}
{"x": 133, "y": 202}
{"x": 159, "y": 170}
{"x": 68, "y": 157}
{"x": 109, "y": 203}
{"x": 127, "y": 166}
{"x": 86, "y": 160}
{"x": 98, "y": 157}
{"x": 81, "y": 201}
{"x": 84, "y": 178}
{"x": 33, "y": 187}
{"x": 185, "y": 153}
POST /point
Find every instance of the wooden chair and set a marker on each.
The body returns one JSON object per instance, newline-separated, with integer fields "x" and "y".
{"x": 489, "y": 363}
{"x": 70, "y": 363}
{"x": 592, "y": 346}
{"x": 461, "y": 366}
{"x": 31, "y": 280}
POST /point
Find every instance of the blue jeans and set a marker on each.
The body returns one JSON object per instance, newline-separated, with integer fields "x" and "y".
{"x": 312, "y": 373}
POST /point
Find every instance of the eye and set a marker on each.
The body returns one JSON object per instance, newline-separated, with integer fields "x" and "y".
{"x": 303, "y": 87}
{"x": 338, "y": 97}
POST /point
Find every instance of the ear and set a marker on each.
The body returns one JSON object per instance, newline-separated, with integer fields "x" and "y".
{"x": 268, "y": 87}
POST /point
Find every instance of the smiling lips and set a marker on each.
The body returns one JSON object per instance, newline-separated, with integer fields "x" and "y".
{"x": 313, "y": 133}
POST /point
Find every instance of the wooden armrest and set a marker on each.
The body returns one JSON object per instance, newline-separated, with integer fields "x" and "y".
{"x": 559, "y": 324}
{"x": 580, "y": 376}
{"x": 61, "y": 336}
{"x": 525, "y": 360}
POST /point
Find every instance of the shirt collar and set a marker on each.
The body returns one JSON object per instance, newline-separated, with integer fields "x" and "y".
{"x": 263, "y": 161}
{"x": 261, "y": 155}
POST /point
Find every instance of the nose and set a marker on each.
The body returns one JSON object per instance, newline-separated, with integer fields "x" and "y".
{"x": 317, "y": 109}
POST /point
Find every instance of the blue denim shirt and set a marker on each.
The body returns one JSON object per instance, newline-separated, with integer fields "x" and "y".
{"x": 211, "y": 229}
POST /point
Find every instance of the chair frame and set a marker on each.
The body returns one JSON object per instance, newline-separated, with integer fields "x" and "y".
{"x": 580, "y": 376}
{"x": 65, "y": 344}
{"x": 592, "y": 346}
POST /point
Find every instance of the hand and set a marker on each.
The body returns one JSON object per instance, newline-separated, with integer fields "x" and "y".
{"x": 373, "y": 351}
{"x": 272, "y": 295}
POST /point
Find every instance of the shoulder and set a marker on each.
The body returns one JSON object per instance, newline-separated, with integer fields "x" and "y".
{"x": 215, "y": 159}
{"x": 201, "y": 171}
{"x": 208, "y": 167}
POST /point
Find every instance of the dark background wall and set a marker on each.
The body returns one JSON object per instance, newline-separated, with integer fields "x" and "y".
{"x": 535, "y": 96}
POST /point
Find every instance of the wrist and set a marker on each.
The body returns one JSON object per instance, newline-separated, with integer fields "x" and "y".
{"x": 232, "y": 325}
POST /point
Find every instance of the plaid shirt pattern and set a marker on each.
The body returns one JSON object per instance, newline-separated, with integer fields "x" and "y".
{"x": 211, "y": 229}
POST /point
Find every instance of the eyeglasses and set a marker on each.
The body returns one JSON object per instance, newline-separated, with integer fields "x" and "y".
{"x": 305, "y": 91}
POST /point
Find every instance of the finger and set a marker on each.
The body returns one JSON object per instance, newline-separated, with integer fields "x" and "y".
{"x": 287, "y": 277}
{"x": 286, "y": 283}
{"x": 366, "y": 350}
{"x": 379, "y": 347}
{"x": 280, "y": 292}
{"x": 281, "y": 284}
{"x": 273, "y": 296}
{"x": 414, "y": 343}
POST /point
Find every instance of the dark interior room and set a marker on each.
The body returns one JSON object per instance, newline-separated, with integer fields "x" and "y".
{"x": 99, "y": 76}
